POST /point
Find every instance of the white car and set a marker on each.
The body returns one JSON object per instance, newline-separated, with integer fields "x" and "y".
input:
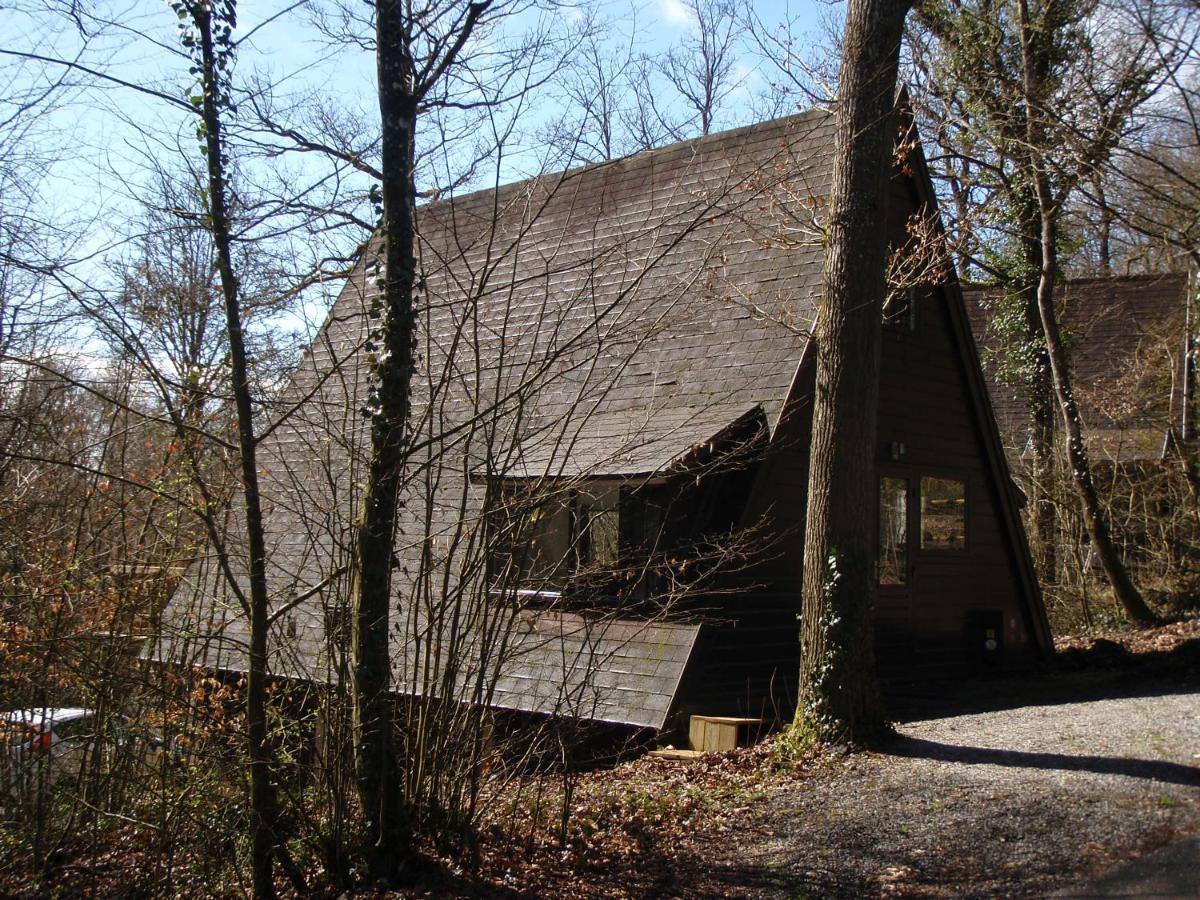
{"x": 44, "y": 745}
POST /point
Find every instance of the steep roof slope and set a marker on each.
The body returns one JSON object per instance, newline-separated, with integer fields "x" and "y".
{"x": 601, "y": 321}
{"x": 1124, "y": 337}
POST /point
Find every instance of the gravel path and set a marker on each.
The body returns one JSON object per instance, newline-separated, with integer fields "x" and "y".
{"x": 1015, "y": 802}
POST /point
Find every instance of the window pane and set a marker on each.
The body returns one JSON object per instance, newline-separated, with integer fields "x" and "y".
{"x": 893, "y": 530}
{"x": 599, "y": 536}
{"x": 552, "y": 537}
{"x": 943, "y": 514}
{"x": 605, "y": 536}
{"x": 543, "y": 558}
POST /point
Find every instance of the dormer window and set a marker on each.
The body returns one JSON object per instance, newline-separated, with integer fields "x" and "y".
{"x": 586, "y": 532}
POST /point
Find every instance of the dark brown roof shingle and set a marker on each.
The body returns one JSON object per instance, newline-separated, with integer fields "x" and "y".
{"x": 601, "y": 321}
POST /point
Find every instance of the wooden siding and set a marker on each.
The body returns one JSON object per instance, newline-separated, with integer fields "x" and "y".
{"x": 748, "y": 665}
{"x": 926, "y": 405}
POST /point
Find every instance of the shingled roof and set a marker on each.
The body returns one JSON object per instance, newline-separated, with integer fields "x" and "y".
{"x": 601, "y": 321}
{"x": 1125, "y": 341}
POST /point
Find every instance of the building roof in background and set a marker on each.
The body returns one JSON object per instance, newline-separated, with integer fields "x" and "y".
{"x": 1124, "y": 339}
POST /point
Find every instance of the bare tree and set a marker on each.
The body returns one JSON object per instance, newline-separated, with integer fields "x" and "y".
{"x": 420, "y": 58}
{"x": 1138, "y": 212}
{"x": 702, "y": 70}
{"x": 598, "y": 87}
{"x": 1052, "y": 90}
{"x": 620, "y": 99}
{"x": 798, "y": 64}
{"x": 209, "y": 40}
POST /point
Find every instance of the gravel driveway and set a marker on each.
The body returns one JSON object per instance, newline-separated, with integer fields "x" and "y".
{"x": 1015, "y": 802}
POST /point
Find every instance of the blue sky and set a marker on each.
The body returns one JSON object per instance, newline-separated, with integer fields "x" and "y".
{"x": 97, "y": 144}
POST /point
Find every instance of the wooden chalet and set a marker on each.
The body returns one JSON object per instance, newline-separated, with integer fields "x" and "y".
{"x": 604, "y": 505}
{"x": 1127, "y": 348}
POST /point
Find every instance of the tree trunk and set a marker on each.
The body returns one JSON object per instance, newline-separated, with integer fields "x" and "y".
{"x": 1034, "y": 76}
{"x": 393, "y": 341}
{"x": 262, "y": 802}
{"x": 1187, "y": 393}
{"x": 1107, "y": 217}
{"x": 1039, "y": 390}
{"x": 839, "y": 696}
{"x": 1124, "y": 591}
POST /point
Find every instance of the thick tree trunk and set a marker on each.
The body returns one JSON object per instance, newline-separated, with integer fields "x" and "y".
{"x": 394, "y": 341}
{"x": 262, "y": 801}
{"x": 1041, "y": 431}
{"x": 839, "y": 695}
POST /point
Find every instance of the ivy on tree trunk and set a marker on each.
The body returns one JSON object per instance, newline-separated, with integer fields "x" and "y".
{"x": 212, "y": 48}
{"x": 391, "y": 351}
{"x": 1125, "y": 592}
{"x": 1035, "y": 74}
{"x": 403, "y": 85}
{"x": 839, "y": 695}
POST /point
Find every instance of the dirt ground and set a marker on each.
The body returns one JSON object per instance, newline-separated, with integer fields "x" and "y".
{"x": 999, "y": 788}
{"x": 1014, "y": 802}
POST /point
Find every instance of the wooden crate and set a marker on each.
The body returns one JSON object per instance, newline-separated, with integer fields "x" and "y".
{"x": 719, "y": 733}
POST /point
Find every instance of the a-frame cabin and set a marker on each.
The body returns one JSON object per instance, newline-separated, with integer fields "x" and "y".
{"x": 604, "y": 510}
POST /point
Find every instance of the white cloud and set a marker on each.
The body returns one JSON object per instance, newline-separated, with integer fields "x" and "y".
{"x": 571, "y": 12}
{"x": 745, "y": 80}
{"x": 677, "y": 12}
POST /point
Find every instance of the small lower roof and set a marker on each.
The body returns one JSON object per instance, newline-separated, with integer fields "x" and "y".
{"x": 602, "y": 669}
{"x": 598, "y": 667}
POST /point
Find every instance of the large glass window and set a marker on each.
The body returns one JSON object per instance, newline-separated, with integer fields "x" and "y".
{"x": 943, "y": 514}
{"x": 893, "y": 530}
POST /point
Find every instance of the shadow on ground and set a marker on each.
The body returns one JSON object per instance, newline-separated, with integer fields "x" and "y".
{"x": 1149, "y": 769}
{"x": 1106, "y": 670}
{"x": 752, "y": 878}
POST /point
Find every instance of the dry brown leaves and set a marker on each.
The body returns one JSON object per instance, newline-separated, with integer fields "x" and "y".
{"x": 631, "y": 827}
{"x": 1165, "y": 639}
